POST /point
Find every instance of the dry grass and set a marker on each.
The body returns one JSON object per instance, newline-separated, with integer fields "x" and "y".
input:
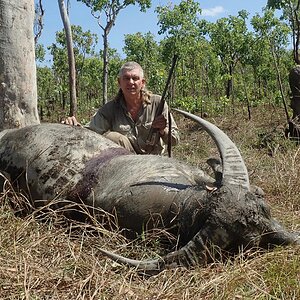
{"x": 43, "y": 257}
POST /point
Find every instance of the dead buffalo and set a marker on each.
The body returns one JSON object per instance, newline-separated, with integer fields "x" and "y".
{"x": 54, "y": 161}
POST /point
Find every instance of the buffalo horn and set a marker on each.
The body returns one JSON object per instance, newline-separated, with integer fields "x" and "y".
{"x": 234, "y": 168}
{"x": 192, "y": 254}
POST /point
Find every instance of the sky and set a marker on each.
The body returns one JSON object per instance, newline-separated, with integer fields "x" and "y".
{"x": 131, "y": 20}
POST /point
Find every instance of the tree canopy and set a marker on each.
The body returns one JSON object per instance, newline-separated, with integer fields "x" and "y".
{"x": 223, "y": 64}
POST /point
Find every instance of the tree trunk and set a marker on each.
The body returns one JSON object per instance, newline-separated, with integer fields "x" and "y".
{"x": 105, "y": 66}
{"x": 246, "y": 93}
{"x": 229, "y": 82}
{"x": 71, "y": 58}
{"x": 294, "y": 80}
{"x": 293, "y": 129}
{"x": 18, "y": 91}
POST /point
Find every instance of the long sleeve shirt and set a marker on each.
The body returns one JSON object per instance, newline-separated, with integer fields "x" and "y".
{"x": 114, "y": 116}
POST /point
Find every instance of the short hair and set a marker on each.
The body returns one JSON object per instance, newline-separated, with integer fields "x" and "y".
{"x": 129, "y": 66}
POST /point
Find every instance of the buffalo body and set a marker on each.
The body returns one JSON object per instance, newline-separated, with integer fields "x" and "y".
{"x": 55, "y": 161}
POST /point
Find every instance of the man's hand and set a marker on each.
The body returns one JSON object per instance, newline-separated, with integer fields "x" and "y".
{"x": 71, "y": 121}
{"x": 160, "y": 123}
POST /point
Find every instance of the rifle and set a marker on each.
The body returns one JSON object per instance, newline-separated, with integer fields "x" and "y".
{"x": 153, "y": 135}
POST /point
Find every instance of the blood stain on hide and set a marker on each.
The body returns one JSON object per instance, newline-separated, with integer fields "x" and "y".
{"x": 89, "y": 174}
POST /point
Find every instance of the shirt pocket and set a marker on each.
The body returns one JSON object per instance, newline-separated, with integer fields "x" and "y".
{"x": 124, "y": 129}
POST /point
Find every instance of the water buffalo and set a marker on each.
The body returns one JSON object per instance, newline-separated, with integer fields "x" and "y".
{"x": 55, "y": 161}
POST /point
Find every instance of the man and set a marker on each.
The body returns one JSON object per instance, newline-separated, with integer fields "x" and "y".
{"x": 128, "y": 118}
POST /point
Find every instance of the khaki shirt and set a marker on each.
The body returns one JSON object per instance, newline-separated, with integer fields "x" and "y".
{"x": 113, "y": 116}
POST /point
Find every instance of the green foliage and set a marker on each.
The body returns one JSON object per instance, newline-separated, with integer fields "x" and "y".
{"x": 115, "y": 62}
{"x": 230, "y": 39}
{"x": 277, "y": 4}
{"x": 291, "y": 15}
{"x": 188, "y": 104}
{"x": 100, "y": 5}
{"x": 84, "y": 44}
{"x": 271, "y": 29}
{"x": 40, "y": 52}
{"x": 47, "y": 92}
{"x": 145, "y": 50}
{"x": 180, "y": 23}
{"x": 221, "y": 65}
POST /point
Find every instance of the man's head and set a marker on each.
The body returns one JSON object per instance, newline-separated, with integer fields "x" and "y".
{"x": 129, "y": 66}
{"x": 131, "y": 79}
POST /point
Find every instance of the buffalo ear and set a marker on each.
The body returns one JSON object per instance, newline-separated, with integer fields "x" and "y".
{"x": 215, "y": 164}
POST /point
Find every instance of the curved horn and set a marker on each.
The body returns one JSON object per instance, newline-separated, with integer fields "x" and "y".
{"x": 234, "y": 168}
{"x": 192, "y": 254}
{"x": 149, "y": 267}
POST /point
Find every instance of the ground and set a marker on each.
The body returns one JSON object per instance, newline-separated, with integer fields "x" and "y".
{"x": 43, "y": 257}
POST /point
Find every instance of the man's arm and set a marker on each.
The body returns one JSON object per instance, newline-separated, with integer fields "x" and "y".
{"x": 162, "y": 125}
{"x": 99, "y": 123}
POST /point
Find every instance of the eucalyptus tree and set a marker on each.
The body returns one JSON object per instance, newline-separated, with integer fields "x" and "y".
{"x": 60, "y": 69}
{"x": 291, "y": 14}
{"x": 91, "y": 79}
{"x": 71, "y": 57}
{"x": 115, "y": 63}
{"x": 180, "y": 26}
{"x": 18, "y": 91}
{"x": 46, "y": 89}
{"x": 230, "y": 40}
{"x": 143, "y": 49}
{"x": 271, "y": 41}
{"x": 83, "y": 45}
{"x": 209, "y": 71}
{"x": 110, "y": 9}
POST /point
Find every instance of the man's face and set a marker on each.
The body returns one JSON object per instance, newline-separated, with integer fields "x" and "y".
{"x": 131, "y": 83}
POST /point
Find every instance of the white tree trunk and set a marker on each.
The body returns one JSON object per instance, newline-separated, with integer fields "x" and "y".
{"x": 71, "y": 57}
{"x": 18, "y": 91}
